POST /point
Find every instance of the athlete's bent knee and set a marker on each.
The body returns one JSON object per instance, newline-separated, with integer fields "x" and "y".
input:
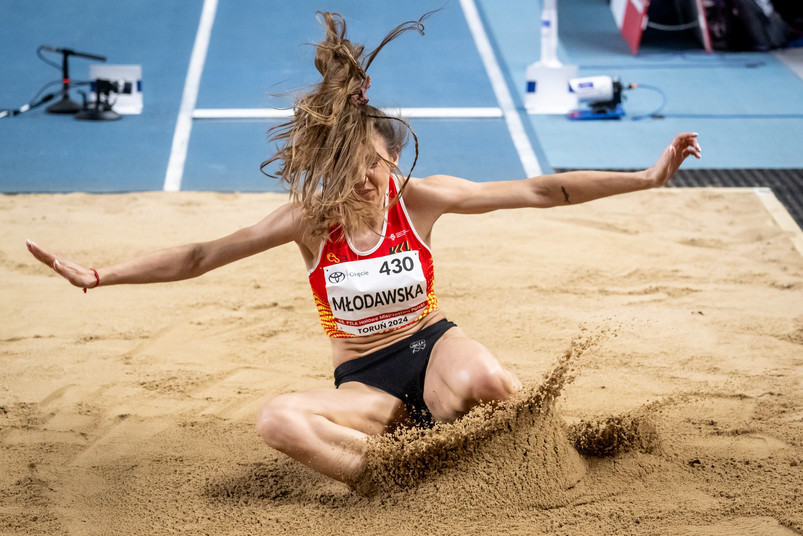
{"x": 277, "y": 422}
{"x": 492, "y": 384}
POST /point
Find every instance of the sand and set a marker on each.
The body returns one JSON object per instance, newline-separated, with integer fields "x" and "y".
{"x": 668, "y": 325}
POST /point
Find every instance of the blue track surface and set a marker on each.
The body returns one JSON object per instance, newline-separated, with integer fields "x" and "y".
{"x": 42, "y": 152}
{"x": 257, "y": 48}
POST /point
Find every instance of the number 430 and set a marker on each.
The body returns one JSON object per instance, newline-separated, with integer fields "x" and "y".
{"x": 396, "y": 266}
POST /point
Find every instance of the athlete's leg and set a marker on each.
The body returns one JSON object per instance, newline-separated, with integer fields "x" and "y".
{"x": 326, "y": 429}
{"x": 463, "y": 373}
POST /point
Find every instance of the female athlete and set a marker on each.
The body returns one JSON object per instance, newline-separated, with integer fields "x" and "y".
{"x": 364, "y": 233}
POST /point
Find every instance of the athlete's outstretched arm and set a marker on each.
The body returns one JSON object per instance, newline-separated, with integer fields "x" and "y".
{"x": 443, "y": 194}
{"x": 183, "y": 262}
{"x": 582, "y": 186}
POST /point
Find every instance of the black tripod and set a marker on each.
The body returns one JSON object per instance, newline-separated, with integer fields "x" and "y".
{"x": 65, "y": 105}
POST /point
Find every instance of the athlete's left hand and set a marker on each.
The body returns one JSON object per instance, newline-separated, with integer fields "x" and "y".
{"x": 673, "y": 156}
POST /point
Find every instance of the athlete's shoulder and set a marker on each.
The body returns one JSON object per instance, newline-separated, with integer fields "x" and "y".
{"x": 292, "y": 214}
{"x": 432, "y": 185}
{"x": 435, "y": 190}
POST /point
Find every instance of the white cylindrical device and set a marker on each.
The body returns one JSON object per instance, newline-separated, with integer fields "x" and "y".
{"x": 592, "y": 88}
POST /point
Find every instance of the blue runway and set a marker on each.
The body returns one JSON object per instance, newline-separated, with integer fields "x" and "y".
{"x": 748, "y": 108}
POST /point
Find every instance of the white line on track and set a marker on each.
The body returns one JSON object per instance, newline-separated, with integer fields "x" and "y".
{"x": 267, "y": 113}
{"x": 181, "y": 136}
{"x": 520, "y": 140}
{"x": 779, "y": 213}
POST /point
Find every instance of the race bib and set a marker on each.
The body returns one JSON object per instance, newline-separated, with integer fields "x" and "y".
{"x": 374, "y": 295}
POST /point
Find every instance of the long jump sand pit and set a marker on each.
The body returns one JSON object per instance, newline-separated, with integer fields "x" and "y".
{"x": 662, "y": 331}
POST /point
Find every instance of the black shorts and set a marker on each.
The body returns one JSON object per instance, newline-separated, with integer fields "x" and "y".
{"x": 399, "y": 369}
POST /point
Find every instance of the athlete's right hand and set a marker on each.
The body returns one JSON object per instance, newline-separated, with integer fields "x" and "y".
{"x": 77, "y": 275}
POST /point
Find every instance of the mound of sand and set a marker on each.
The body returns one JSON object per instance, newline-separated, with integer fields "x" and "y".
{"x": 515, "y": 453}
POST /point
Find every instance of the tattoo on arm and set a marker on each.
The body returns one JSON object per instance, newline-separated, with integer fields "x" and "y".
{"x": 565, "y": 195}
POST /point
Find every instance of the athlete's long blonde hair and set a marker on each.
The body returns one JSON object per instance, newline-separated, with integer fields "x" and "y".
{"x": 328, "y": 145}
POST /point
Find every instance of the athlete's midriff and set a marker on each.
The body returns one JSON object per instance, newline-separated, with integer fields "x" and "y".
{"x": 351, "y": 348}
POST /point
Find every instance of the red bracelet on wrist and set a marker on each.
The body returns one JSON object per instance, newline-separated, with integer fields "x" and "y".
{"x": 97, "y": 279}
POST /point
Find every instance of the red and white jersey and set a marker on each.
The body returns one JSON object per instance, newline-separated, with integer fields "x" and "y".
{"x": 360, "y": 293}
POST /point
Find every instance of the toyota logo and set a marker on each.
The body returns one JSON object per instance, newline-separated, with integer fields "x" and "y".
{"x": 336, "y": 277}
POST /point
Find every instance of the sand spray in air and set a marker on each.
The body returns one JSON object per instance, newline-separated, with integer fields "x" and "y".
{"x": 517, "y": 451}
